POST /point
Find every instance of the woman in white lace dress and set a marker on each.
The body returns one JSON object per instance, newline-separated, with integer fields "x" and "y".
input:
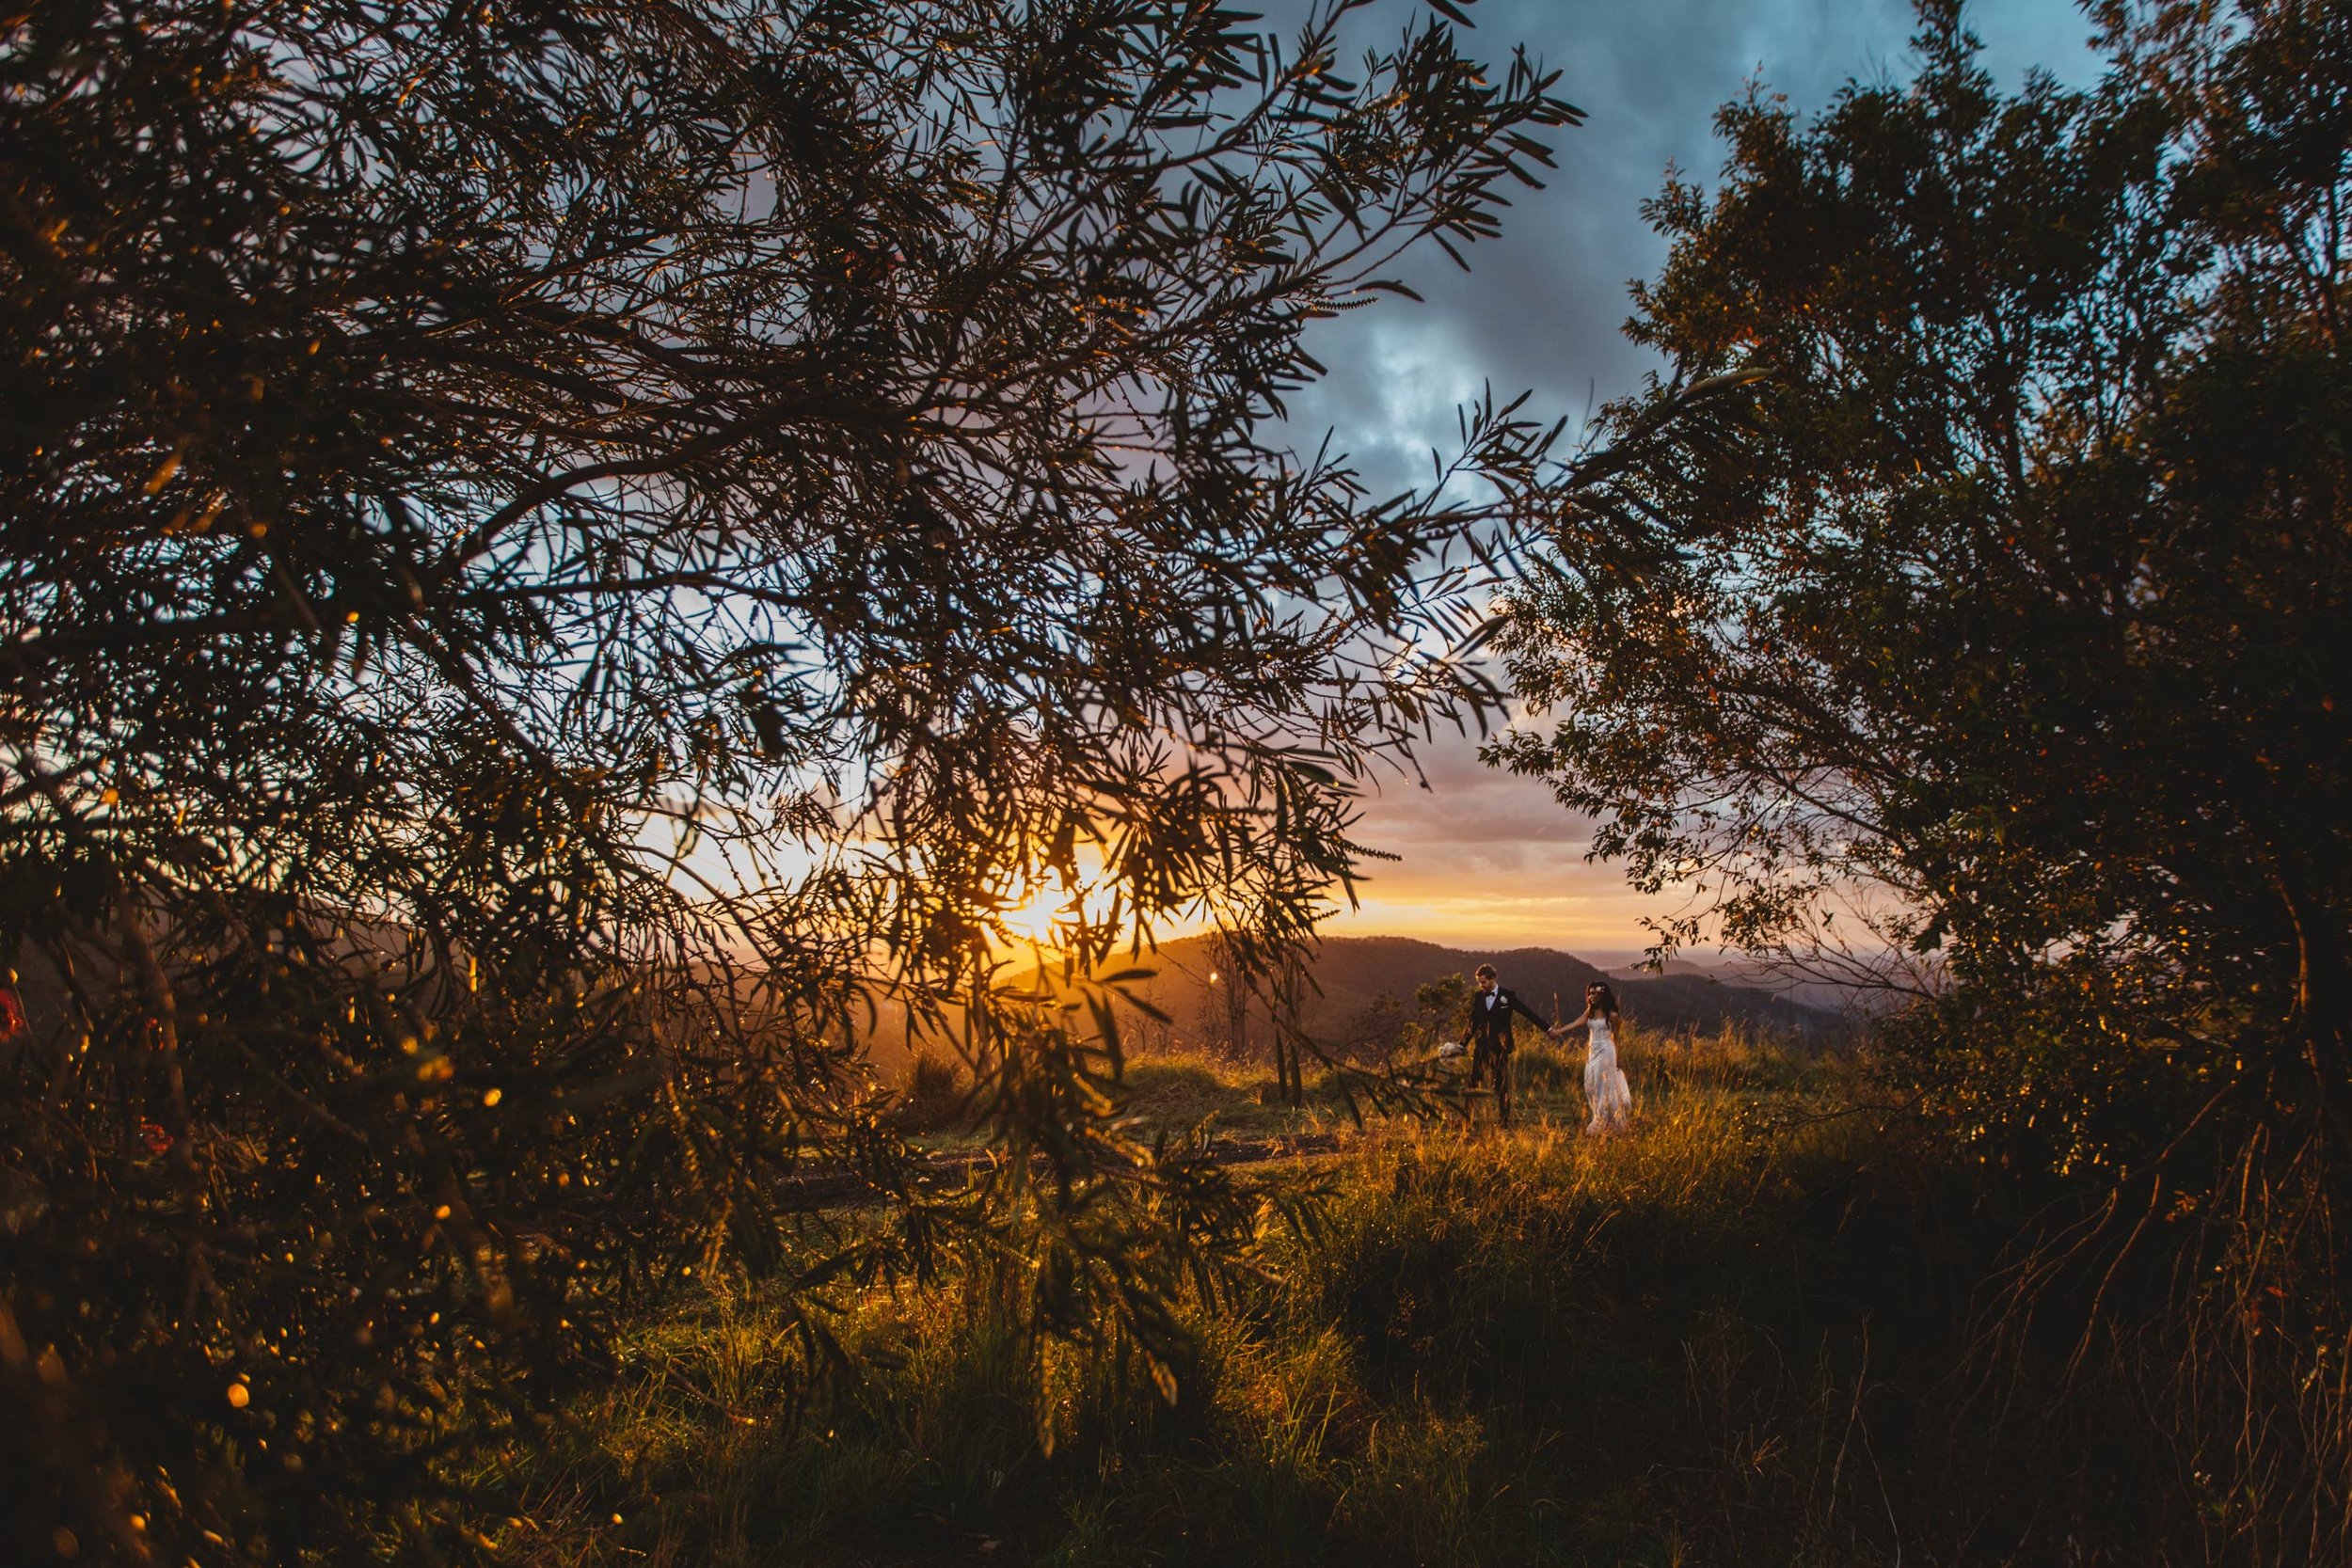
{"x": 1605, "y": 1088}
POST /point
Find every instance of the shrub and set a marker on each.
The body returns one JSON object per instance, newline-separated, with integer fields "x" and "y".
{"x": 935, "y": 1094}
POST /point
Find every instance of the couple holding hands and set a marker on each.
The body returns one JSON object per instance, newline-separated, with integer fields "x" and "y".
{"x": 1605, "y": 1090}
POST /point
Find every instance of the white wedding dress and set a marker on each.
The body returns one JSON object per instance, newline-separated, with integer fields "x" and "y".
{"x": 1605, "y": 1088}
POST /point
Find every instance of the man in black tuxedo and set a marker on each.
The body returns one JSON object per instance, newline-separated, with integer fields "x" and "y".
{"x": 1490, "y": 1013}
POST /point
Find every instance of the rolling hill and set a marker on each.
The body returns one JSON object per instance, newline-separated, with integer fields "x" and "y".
{"x": 1362, "y": 989}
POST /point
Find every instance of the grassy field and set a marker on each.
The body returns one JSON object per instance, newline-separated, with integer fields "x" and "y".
{"x": 1178, "y": 1091}
{"x": 1741, "y": 1334}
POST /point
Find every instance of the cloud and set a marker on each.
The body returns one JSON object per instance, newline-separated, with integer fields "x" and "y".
{"x": 1484, "y": 853}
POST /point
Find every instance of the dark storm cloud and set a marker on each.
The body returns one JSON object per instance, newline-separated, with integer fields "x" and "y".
{"x": 1543, "y": 307}
{"x": 1541, "y": 311}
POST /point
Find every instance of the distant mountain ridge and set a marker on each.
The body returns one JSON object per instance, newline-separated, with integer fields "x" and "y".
{"x": 1362, "y": 989}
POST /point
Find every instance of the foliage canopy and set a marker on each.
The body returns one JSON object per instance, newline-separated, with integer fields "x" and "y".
{"x": 556, "y": 558}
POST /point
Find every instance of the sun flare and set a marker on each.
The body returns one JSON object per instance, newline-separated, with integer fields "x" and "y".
{"x": 1035, "y": 918}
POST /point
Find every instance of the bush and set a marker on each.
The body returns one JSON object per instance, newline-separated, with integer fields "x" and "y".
{"x": 936, "y": 1094}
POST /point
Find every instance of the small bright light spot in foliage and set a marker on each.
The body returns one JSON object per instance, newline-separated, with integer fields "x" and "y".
{"x": 493, "y": 1097}
{"x": 239, "y": 1396}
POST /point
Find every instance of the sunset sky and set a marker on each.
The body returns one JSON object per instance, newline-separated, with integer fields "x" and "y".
{"x": 1489, "y": 859}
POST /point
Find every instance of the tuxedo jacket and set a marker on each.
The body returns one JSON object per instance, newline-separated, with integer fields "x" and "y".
{"x": 1490, "y": 1018}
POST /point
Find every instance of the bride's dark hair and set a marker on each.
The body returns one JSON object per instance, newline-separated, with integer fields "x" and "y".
{"x": 1606, "y": 1001}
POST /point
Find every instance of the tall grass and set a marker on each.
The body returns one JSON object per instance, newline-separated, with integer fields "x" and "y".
{"x": 1753, "y": 1332}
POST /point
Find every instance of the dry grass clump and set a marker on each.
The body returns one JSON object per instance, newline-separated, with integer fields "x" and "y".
{"x": 935, "y": 1094}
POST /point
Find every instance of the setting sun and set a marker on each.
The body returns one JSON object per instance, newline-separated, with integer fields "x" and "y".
{"x": 1048, "y": 904}
{"x": 1050, "y": 908}
{"x": 1035, "y": 918}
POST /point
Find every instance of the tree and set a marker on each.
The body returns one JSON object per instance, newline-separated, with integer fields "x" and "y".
{"x": 1998, "y": 606}
{"x": 2005, "y": 604}
{"x": 1440, "y": 1007}
{"x": 558, "y": 556}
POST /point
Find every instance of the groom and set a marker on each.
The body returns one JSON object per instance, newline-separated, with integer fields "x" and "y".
{"x": 1490, "y": 1034}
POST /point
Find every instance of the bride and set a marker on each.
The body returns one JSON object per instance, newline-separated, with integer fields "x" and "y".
{"x": 1605, "y": 1088}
